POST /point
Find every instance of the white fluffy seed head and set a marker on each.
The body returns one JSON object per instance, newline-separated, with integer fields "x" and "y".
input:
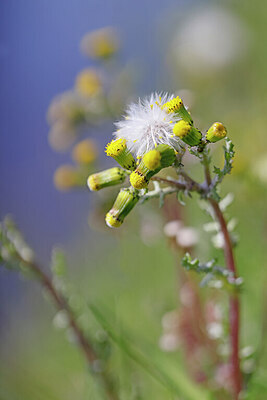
{"x": 148, "y": 124}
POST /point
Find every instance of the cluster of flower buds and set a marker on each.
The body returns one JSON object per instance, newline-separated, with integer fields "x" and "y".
{"x": 71, "y": 112}
{"x": 148, "y": 140}
{"x": 96, "y": 93}
{"x": 152, "y": 162}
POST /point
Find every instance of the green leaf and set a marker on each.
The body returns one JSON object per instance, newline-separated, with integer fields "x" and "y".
{"x": 212, "y": 271}
{"x": 228, "y": 161}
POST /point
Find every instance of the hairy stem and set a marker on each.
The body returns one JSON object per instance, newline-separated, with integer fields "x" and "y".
{"x": 84, "y": 343}
{"x": 234, "y": 307}
{"x": 190, "y": 185}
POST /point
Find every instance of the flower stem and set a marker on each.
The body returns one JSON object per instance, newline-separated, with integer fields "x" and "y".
{"x": 234, "y": 307}
{"x": 84, "y": 343}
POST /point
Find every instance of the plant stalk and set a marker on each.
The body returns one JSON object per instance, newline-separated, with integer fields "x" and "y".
{"x": 234, "y": 306}
{"x": 84, "y": 343}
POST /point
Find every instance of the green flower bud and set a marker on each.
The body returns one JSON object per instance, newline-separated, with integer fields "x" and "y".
{"x": 216, "y": 132}
{"x": 108, "y": 177}
{"x": 124, "y": 203}
{"x": 176, "y": 105}
{"x": 187, "y": 133}
{"x": 117, "y": 149}
{"x": 152, "y": 162}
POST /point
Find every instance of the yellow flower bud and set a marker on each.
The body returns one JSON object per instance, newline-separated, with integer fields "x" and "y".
{"x": 138, "y": 180}
{"x": 187, "y": 133}
{"x": 67, "y": 177}
{"x": 152, "y": 162}
{"x": 176, "y": 105}
{"x": 216, "y": 132}
{"x": 102, "y": 43}
{"x": 117, "y": 149}
{"x": 85, "y": 152}
{"x": 124, "y": 203}
{"x": 88, "y": 83}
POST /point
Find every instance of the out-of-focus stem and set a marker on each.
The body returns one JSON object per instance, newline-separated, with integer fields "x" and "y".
{"x": 84, "y": 343}
{"x": 234, "y": 307}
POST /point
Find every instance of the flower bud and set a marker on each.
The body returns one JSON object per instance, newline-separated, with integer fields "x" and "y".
{"x": 88, "y": 83}
{"x": 216, "y": 132}
{"x": 124, "y": 203}
{"x": 67, "y": 177}
{"x": 117, "y": 149}
{"x": 85, "y": 152}
{"x": 100, "y": 44}
{"x": 152, "y": 162}
{"x": 176, "y": 105}
{"x": 109, "y": 177}
{"x": 187, "y": 133}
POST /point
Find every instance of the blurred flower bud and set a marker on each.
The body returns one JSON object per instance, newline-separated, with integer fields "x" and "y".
{"x": 216, "y": 132}
{"x": 124, "y": 203}
{"x": 61, "y": 136}
{"x": 67, "y": 177}
{"x": 88, "y": 83}
{"x": 67, "y": 107}
{"x": 85, "y": 152}
{"x": 187, "y": 133}
{"x": 117, "y": 149}
{"x": 108, "y": 177}
{"x": 100, "y": 44}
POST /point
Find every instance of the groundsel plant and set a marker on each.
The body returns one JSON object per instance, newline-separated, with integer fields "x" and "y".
{"x": 149, "y": 146}
{"x": 155, "y": 134}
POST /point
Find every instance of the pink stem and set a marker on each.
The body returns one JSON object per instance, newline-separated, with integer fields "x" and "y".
{"x": 234, "y": 302}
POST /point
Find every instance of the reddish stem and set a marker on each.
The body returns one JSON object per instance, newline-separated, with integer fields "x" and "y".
{"x": 84, "y": 342}
{"x": 234, "y": 306}
{"x": 234, "y": 310}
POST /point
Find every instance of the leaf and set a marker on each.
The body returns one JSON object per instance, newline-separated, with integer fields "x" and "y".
{"x": 228, "y": 161}
{"x": 212, "y": 271}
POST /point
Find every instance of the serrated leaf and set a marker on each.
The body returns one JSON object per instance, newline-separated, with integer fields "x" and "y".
{"x": 228, "y": 161}
{"x": 211, "y": 270}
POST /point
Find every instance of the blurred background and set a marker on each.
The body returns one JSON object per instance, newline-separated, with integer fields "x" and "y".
{"x": 214, "y": 55}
